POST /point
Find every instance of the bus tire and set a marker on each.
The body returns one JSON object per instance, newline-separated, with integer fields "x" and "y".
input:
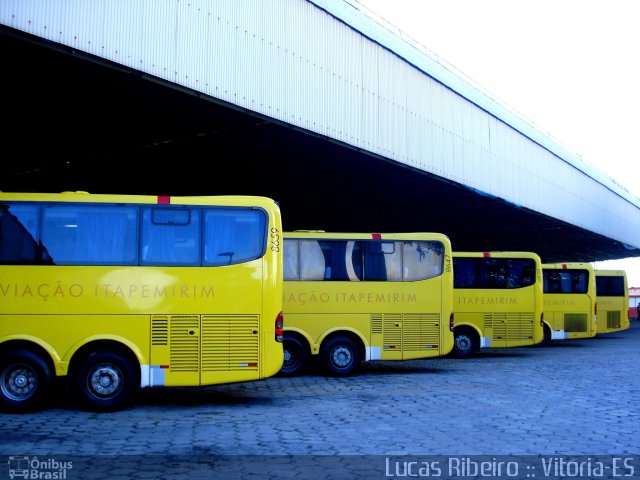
{"x": 25, "y": 380}
{"x": 295, "y": 356}
{"x": 465, "y": 342}
{"x": 340, "y": 356}
{"x": 105, "y": 381}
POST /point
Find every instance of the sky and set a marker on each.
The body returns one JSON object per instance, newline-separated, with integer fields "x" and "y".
{"x": 570, "y": 67}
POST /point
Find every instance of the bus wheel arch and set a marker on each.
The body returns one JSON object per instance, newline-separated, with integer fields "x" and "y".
{"x": 466, "y": 341}
{"x": 104, "y": 375}
{"x": 26, "y": 376}
{"x": 341, "y": 354}
{"x": 296, "y": 354}
{"x": 546, "y": 336}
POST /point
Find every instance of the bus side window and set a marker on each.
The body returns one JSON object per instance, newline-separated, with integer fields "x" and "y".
{"x": 464, "y": 273}
{"x": 483, "y": 269}
{"x": 422, "y": 260}
{"x": 312, "y": 265}
{"x": 353, "y": 260}
{"x": 290, "y": 254}
{"x": 90, "y": 234}
{"x": 497, "y": 273}
{"x": 231, "y": 236}
{"x": 17, "y": 245}
{"x": 375, "y": 268}
{"x": 579, "y": 282}
{"x": 172, "y": 237}
{"x": 528, "y": 273}
{"x": 392, "y": 252}
{"x": 521, "y": 273}
{"x": 335, "y": 257}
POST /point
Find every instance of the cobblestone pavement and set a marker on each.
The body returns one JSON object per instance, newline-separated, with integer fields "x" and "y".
{"x": 575, "y": 397}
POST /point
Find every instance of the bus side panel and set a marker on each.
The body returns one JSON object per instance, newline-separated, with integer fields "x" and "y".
{"x": 65, "y": 334}
{"x": 612, "y": 314}
{"x": 317, "y": 326}
{"x": 506, "y": 317}
{"x": 399, "y": 320}
{"x": 570, "y": 315}
{"x": 191, "y": 325}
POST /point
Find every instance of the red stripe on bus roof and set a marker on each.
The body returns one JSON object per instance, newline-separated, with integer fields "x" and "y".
{"x": 164, "y": 199}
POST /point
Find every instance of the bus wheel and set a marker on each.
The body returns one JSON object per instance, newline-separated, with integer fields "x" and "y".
{"x": 105, "y": 380}
{"x": 546, "y": 339}
{"x": 25, "y": 380}
{"x": 340, "y": 356}
{"x": 464, "y": 343}
{"x": 295, "y": 356}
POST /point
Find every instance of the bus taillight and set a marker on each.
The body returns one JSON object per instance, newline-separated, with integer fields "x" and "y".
{"x": 279, "y": 328}
{"x": 451, "y": 322}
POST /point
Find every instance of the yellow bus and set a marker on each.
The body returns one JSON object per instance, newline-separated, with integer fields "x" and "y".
{"x": 497, "y": 300}
{"x": 612, "y": 293}
{"x": 353, "y": 297}
{"x": 111, "y": 293}
{"x": 570, "y": 306}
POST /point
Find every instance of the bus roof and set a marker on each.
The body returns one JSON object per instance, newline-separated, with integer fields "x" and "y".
{"x": 321, "y": 234}
{"x": 500, "y": 254}
{"x": 85, "y": 197}
{"x": 568, "y": 265}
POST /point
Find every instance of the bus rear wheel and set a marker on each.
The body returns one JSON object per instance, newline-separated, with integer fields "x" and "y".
{"x": 464, "y": 342}
{"x": 340, "y": 356}
{"x": 295, "y": 356}
{"x": 105, "y": 381}
{"x": 25, "y": 380}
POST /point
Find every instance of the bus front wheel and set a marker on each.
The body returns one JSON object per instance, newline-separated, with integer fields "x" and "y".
{"x": 464, "y": 343}
{"x": 105, "y": 380}
{"x": 25, "y": 380}
{"x": 295, "y": 356}
{"x": 340, "y": 356}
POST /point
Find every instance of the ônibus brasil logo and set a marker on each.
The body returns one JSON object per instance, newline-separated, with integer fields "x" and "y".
{"x": 35, "y": 468}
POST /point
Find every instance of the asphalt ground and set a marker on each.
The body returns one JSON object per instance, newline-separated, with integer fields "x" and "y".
{"x": 535, "y": 409}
